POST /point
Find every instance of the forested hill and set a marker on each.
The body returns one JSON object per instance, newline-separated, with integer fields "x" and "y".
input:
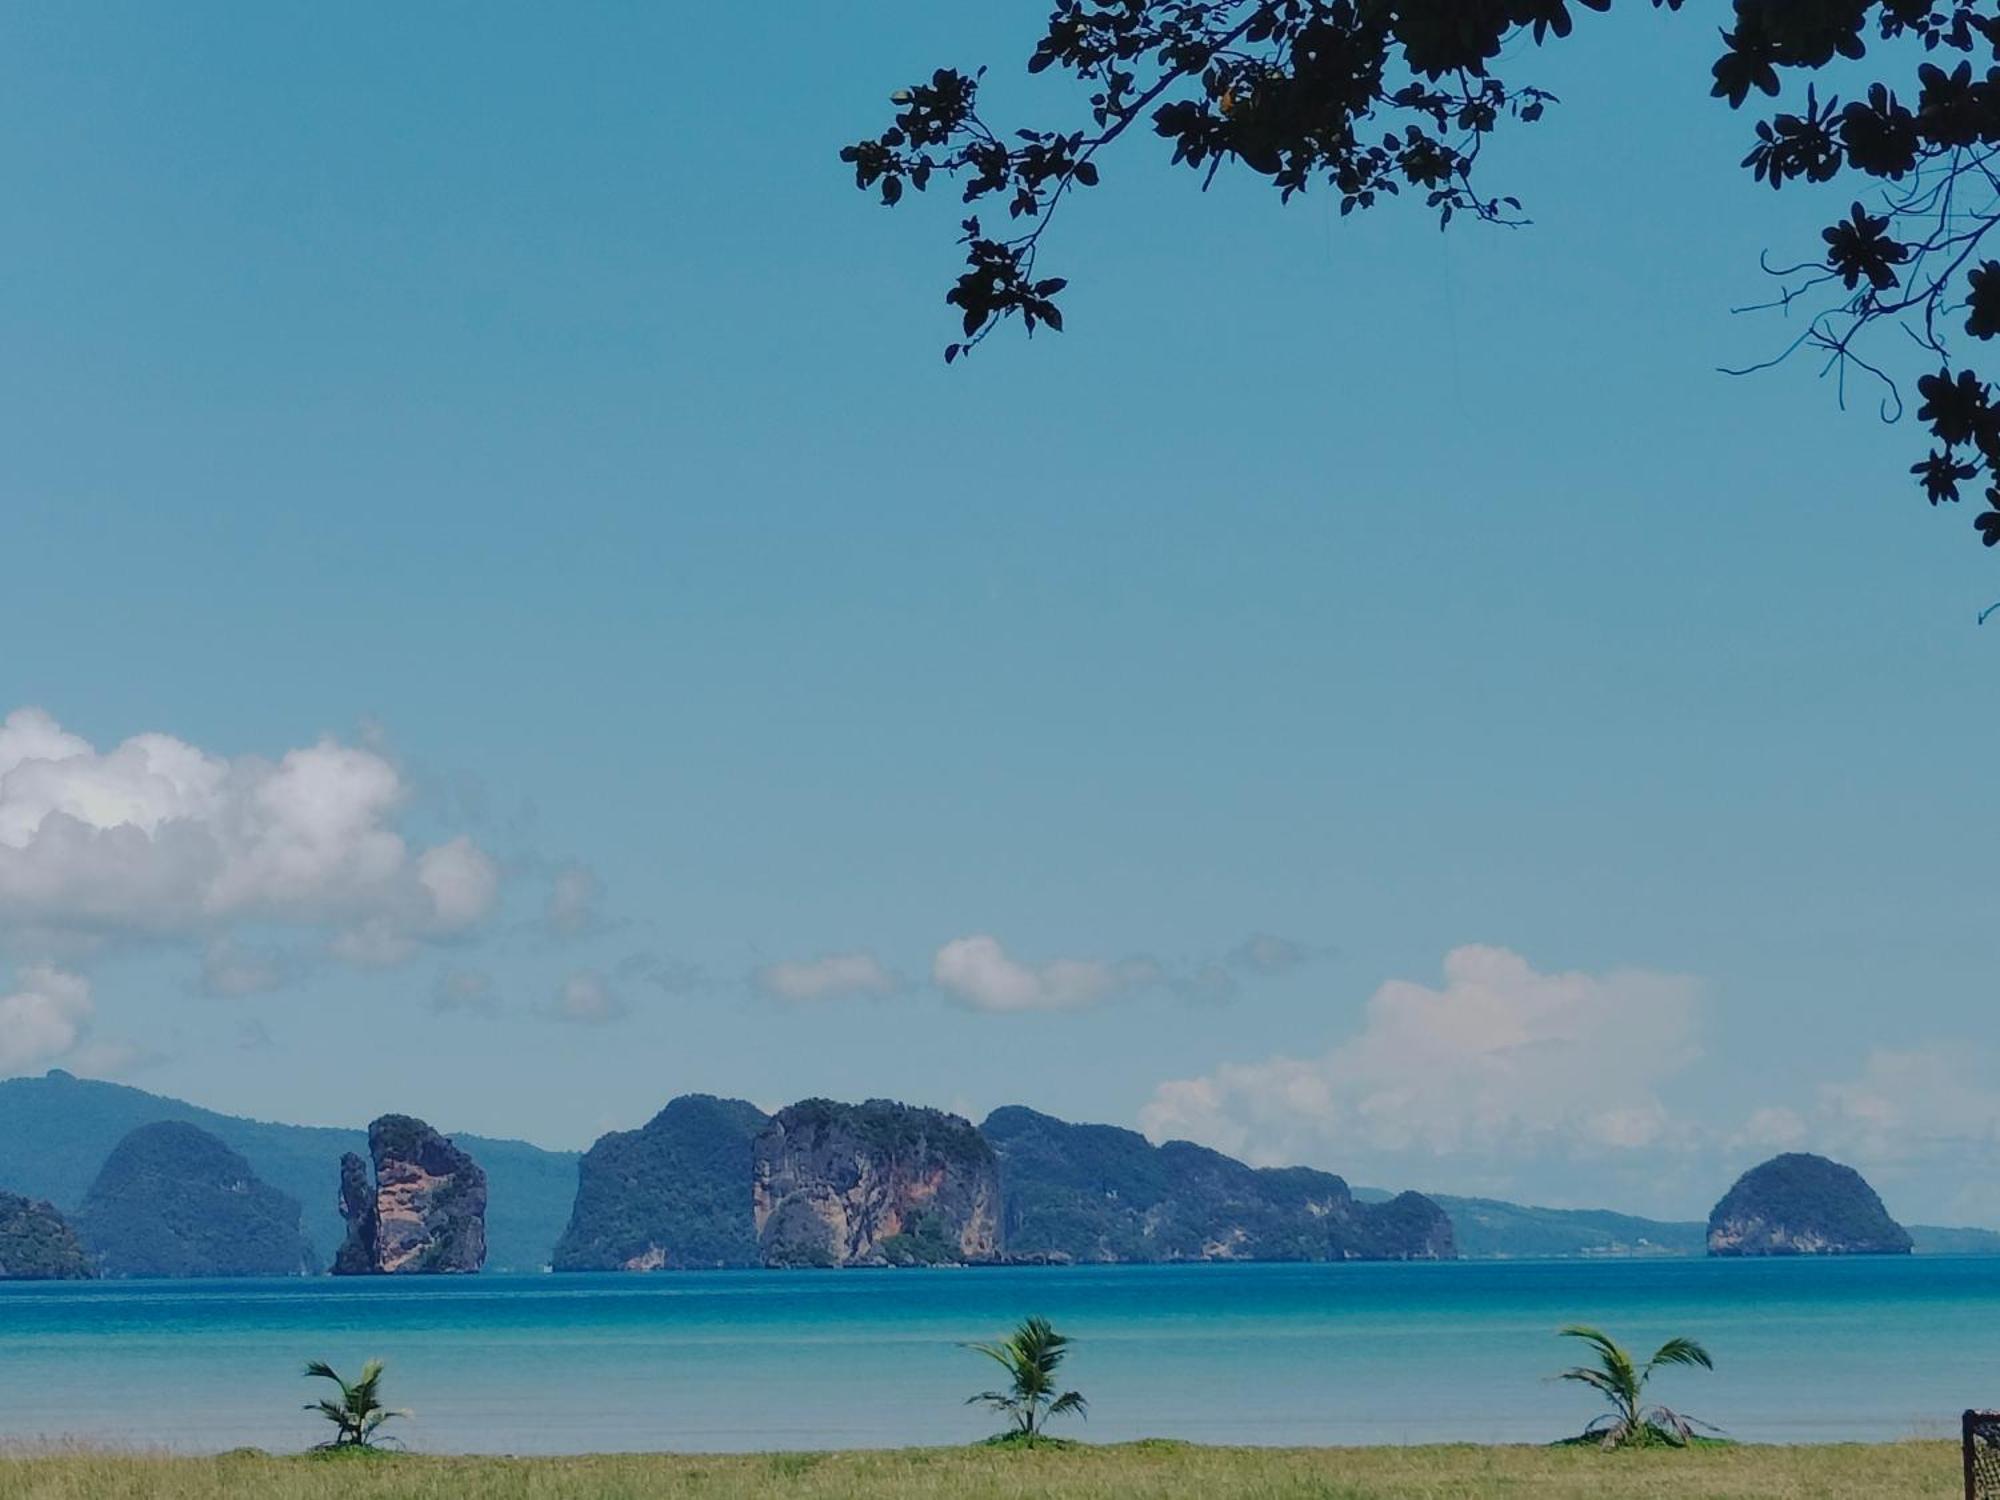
{"x": 57, "y": 1131}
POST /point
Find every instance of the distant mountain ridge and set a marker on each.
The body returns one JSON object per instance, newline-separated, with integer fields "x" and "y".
{"x": 57, "y": 1131}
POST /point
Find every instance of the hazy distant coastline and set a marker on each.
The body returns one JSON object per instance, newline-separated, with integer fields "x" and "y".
{"x": 57, "y": 1130}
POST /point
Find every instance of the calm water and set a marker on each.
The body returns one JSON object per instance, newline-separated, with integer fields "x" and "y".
{"x": 1806, "y": 1351}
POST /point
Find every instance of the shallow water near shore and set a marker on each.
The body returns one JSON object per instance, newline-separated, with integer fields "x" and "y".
{"x": 1806, "y": 1351}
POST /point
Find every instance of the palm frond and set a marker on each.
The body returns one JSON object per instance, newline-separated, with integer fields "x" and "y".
{"x": 1067, "y": 1402}
{"x": 1680, "y": 1352}
{"x": 1596, "y": 1379}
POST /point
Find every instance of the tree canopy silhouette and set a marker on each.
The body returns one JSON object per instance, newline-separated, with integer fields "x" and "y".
{"x": 1381, "y": 99}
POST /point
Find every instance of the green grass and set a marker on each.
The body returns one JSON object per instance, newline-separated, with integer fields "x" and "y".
{"x": 1130, "y": 1471}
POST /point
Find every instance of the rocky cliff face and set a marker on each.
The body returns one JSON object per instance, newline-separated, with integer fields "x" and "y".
{"x": 1797, "y": 1204}
{"x": 424, "y": 1212}
{"x": 172, "y": 1200}
{"x": 672, "y": 1195}
{"x": 36, "y": 1244}
{"x": 1098, "y": 1193}
{"x": 873, "y": 1184}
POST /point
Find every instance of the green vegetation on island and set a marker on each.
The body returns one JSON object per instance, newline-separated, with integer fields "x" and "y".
{"x": 1099, "y": 1193}
{"x": 671, "y": 1195}
{"x": 656, "y": 1195}
{"x": 37, "y": 1244}
{"x": 57, "y": 1130}
{"x": 172, "y": 1200}
{"x": 1799, "y": 1204}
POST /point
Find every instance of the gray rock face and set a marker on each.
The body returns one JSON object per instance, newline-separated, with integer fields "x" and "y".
{"x": 424, "y": 1213}
{"x": 1799, "y": 1204}
{"x": 873, "y": 1184}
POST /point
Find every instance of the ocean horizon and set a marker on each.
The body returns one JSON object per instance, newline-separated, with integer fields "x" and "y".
{"x": 1806, "y": 1350}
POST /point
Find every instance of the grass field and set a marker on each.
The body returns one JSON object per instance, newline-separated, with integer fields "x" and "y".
{"x": 1140, "y": 1471}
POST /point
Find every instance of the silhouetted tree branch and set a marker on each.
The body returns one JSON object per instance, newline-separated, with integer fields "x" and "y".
{"x": 1379, "y": 98}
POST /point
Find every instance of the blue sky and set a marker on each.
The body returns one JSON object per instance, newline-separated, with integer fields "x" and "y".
{"x": 529, "y": 404}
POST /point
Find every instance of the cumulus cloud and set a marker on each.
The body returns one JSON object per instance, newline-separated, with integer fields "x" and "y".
{"x": 834, "y": 976}
{"x": 586, "y": 999}
{"x": 1921, "y": 1122}
{"x": 979, "y": 972}
{"x": 1499, "y": 1060}
{"x": 45, "y": 1019}
{"x": 1910, "y": 1105}
{"x": 156, "y": 836}
{"x": 574, "y": 891}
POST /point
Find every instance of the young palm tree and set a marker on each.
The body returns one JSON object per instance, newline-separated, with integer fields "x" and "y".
{"x": 1623, "y": 1383}
{"x": 1030, "y": 1355}
{"x": 359, "y": 1412}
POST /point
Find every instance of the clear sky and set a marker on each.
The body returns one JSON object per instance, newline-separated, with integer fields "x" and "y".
{"x": 1361, "y": 696}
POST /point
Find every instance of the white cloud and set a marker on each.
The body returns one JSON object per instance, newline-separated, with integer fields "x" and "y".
{"x": 156, "y": 836}
{"x": 1913, "y": 1104}
{"x": 979, "y": 972}
{"x": 1501, "y": 1060}
{"x": 462, "y": 880}
{"x": 831, "y": 977}
{"x": 586, "y": 1000}
{"x": 574, "y": 892}
{"x": 1921, "y": 1122}
{"x": 45, "y": 1019}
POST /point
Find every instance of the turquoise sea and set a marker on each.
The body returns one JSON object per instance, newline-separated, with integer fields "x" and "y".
{"x": 1806, "y": 1351}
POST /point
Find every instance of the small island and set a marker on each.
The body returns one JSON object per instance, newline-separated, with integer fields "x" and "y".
{"x": 37, "y": 1244}
{"x": 172, "y": 1200}
{"x": 1800, "y": 1204}
{"x": 417, "y": 1207}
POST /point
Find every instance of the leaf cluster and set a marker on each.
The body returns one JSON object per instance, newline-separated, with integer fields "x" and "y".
{"x": 1621, "y": 1381}
{"x": 1374, "y": 99}
{"x": 357, "y": 1413}
{"x": 1381, "y": 99}
{"x": 1031, "y": 1356}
